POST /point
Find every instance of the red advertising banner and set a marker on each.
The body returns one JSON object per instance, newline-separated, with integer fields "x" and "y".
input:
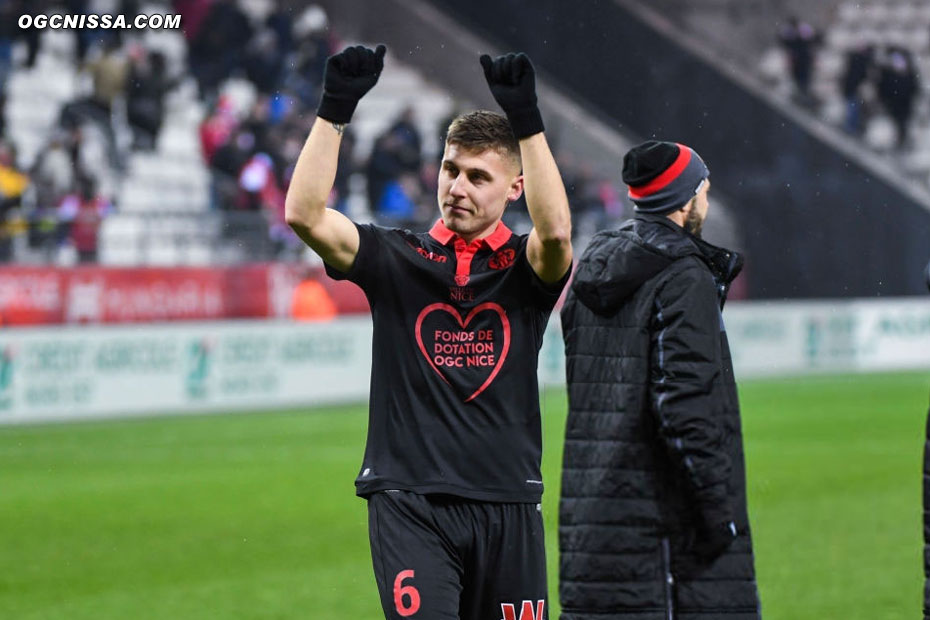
{"x": 31, "y": 295}
{"x": 49, "y": 295}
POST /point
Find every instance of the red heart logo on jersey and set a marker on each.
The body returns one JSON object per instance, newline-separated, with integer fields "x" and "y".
{"x": 464, "y": 341}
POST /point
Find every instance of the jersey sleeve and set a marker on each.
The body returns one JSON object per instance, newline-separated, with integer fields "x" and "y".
{"x": 543, "y": 294}
{"x": 365, "y": 270}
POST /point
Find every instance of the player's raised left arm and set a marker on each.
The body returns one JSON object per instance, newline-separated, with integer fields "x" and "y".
{"x": 512, "y": 81}
{"x": 549, "y": 248}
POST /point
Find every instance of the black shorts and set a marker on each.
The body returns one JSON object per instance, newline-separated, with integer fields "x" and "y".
{"x": 448, "y": 558}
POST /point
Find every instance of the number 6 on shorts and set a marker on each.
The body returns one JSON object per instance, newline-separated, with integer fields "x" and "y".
{"x": 409, "y": 591}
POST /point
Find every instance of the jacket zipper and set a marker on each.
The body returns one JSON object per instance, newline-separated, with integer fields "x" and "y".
{"x": 669, "y": 580}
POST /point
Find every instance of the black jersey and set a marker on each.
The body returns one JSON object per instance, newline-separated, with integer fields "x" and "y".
{"x": 454, "y": 404}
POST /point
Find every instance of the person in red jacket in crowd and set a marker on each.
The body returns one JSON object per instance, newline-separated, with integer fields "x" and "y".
{"x": 82, "y": 213}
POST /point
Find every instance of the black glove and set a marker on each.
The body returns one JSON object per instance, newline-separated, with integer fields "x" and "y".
{"x": 714, "y": 540}
{"x": 512, "y": 81}
{"x": 927, "y": 275}
{"x": 348, "y": 76}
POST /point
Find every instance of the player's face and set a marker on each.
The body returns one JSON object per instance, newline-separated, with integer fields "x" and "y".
{"x": 694, "y": 221}
{"x": 474, "y": 188}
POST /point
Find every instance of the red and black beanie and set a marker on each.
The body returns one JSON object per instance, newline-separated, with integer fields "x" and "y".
{"x": 662, "y": 176}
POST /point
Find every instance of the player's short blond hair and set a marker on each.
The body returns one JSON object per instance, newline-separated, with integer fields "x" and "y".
{"x": 481, "y": 131}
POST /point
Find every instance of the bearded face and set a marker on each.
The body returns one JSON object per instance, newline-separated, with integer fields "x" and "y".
{"x": 694, "y": 222}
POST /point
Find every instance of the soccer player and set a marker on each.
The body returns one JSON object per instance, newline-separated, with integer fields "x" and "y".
{"x": 452, "y": 464}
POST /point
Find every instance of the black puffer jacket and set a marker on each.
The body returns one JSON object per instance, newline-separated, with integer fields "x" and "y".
{"x": 653, "y": 448}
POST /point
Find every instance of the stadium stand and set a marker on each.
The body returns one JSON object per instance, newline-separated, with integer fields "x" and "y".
{"x": 896, "y": 37}
{"x": 206, "y": 184}
{"x": 165, "y": 204}
{"x": 160, "y": 195}
{"x": 802, "y": 188}
{"x": 895, "y": 32}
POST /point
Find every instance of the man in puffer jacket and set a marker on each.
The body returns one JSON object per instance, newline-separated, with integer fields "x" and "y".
{"x": 653, "y": 518}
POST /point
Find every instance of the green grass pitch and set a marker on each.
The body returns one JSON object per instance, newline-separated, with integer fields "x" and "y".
{"x": 254, "y": 516}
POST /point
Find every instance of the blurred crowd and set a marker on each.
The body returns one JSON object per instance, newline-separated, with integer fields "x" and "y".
{"x": 878, "y": 77}
{"x": 251, "y": 156}
{"x": 54, "y": 207}
{"x": 61, "y": 199}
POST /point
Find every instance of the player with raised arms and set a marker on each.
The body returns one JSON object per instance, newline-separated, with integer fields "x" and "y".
{"x": 451, "y": 469}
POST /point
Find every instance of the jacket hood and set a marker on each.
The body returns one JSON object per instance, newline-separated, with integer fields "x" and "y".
{"x": 618, "y": 262}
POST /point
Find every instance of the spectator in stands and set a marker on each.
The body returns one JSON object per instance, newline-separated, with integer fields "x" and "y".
{"x": 13, "y": 181}
{"x": 898, "y": 86}
{"x": 148, "y": 85}
{"x": 800, "y": 40}
{"x": 382, "y": 168}
{"x": 82, "y": 36}
{"x": 258, "y": 185}
{"x": 226, "y": 165}
{"x": 285, "y": 137}
{"x": 193, "y": 13}
{"x": 859, "y": 64}
{"x": 258, "y": 122}
{"x": 398, "y": 206}
{"x": 217, "y": 129}
{"x": 261, "y": 192}
{"x": 53, "y": 170}
{"x": 280, "y": 22}
{"x": 88, "y": 38}
{"x": 13, "y": 184}
{"x": 85, "y": 152}
{"x": 409, "y": 143}
{"x": 311, "y": 301}
{"x": 283, "y": 109}
{"x": 218, "y": 47}
{"x": 310, "y": 29}
{"x": 31, "y": 34}
{"x": 396, "y": 152}
{"x": 81, "y": 215}
{"x": 109, "y": 73}
{"x": 53, "y": 175}
{"x": 264, "y": 61}
{"x": 9, "y": 31}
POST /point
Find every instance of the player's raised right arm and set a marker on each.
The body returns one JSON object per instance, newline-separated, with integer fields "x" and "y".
{"x": 349, "y": 75}
{"x": 329, "y": 233}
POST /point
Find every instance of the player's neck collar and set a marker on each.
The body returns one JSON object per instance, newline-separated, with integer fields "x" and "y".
{"x": 495, "y": 240}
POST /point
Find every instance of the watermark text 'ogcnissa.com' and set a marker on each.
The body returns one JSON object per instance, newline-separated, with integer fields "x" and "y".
{"x": 58, "y": 21}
